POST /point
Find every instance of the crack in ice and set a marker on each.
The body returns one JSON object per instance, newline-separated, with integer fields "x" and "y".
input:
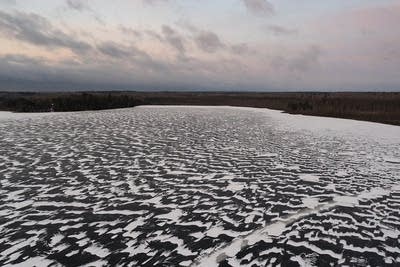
{"x": 276, "y": 228}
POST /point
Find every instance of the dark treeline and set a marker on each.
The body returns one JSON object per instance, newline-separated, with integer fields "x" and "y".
{"x": 65, "y": 102}
{"x": 377, "y": 107}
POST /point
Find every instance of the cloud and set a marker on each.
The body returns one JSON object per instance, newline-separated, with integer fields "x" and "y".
{"x": 79, "y": 5}
{"x": 360, "y": 46}
{"x": 174, "y": 39}
{"x": 131, "y": 57}
{"x": 130, "y": 32}
{"x": 152, "y": 2}
{"x": 18, "y": 59}
{"x": 83, "y": 6}
{"x": 8, "y": 2}
{"x": 115, "y": 50}
{"x": 240, "y": 49}
{"x": 259, "y": 7}
{"x": 124, "y": 53}
{"x": 279, "y": 30}
{"x": 306, "y": 59}
{"x": 116, "y": 61}
{"x": 37, "y": 30}
{"x": 154, "y": 35}
{"x": 208, "y": 41}
{"x": 363, "y": 39}
{"x": 37, "y": 74}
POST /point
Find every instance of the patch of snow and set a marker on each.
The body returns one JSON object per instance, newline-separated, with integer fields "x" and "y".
{"x": 275, "y": 229}
{"x": 392, "y": 160}
{"x": 172, "y": 216}
{"x": 307, "y": 177}
{"x": 330, "y": 187}
{"x": 98, "y": 251}
{"x": 185, "y": 263}
{"x": 122, "y": 212}
{"x": 56, "y": 239}
{"x": 234, "y": 186}
{"x": 310, "y": 202}
{"x": 341, "y": 173}
{"x": 347, "y": 201}
{"x": 34, "y": 261}
{"x": 267, "y": 155}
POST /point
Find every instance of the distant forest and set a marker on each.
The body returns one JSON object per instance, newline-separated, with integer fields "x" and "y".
{"x": 36, "y": 102}
{"x": 377, "y": 107}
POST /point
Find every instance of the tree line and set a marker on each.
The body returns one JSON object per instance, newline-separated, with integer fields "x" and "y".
{"x": 377, "y": 107}
{"x": 67, "y": 102}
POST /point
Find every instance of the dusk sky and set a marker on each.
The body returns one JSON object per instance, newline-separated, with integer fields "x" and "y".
{"x": 237, "y": 45}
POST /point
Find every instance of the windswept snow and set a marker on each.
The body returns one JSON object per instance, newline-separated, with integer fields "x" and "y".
{"x": 182, "y": 186}
{"x": 276, "y": 229}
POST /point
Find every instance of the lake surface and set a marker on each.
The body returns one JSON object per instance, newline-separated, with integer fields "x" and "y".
{"x": 188, "y": 186}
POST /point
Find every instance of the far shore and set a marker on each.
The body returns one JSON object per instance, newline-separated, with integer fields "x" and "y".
{"x": 375, "y": 107}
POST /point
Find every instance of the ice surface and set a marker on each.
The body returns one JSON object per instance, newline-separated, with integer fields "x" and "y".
{"x": 6, "y": 115}
{"x": 180, "y": 186}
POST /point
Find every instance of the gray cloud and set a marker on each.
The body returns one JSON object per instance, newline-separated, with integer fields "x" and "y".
{"x": 279, "y": 30}
{"x": 113, "y": 62}
{"x": 130, "y": 32}
{"x": 174, "y": 39}
{"x": 16, "y": 67}
{"x": 154, "y": 35}
{"x": 152, "y": 2}
{"x": 79, "y": 5}
{"x": 115, "y": 50}
{"x": 259, "y": 7}
{"x": 208, "y": 41}
{"x": 306, "y": 59}
{"x": 20, "y": 59}
{"x": 125, "y": 53}
{"x": 360, "y": 60}
{"x": 36, "y": 74}
{"x": 37, "y": 30}
{"x": 131, "y": 56}
{"x": 240, "y": 49}
{"x": 8, "y": 2}
{"x": 83, "y": 6}
{"x": 296, "y": 63}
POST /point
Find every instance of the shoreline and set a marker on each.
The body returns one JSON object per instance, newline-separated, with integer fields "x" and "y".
{"x": 373, "y": 107}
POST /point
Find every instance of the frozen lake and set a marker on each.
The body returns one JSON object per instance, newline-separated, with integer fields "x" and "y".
{"x": 193, "y": 186}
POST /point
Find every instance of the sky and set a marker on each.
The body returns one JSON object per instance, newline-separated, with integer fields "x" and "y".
{"x": 201, "y": 45}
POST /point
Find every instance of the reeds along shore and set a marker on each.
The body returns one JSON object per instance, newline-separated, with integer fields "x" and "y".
{"x": 376, "y": 107}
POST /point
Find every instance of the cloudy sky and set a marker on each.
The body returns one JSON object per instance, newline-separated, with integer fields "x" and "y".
{"x": 245, "y": 45}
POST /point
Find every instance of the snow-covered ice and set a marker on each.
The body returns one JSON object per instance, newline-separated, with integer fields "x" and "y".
{"x": 183, "y": 186}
